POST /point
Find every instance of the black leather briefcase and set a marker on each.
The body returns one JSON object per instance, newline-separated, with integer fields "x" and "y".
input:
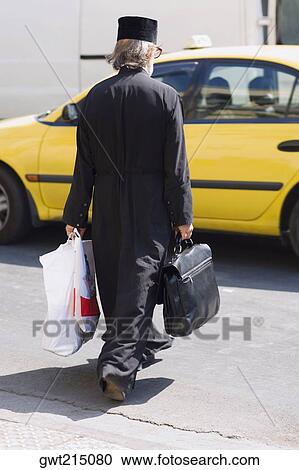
{"x": 190, "y": 291}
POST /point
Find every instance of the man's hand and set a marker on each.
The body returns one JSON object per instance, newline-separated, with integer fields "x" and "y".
{"x": 185, "y": 230}
{"x": 69, "y": 229}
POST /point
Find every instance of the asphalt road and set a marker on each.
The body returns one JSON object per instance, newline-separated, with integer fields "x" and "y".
{"x": 237, "y": 389}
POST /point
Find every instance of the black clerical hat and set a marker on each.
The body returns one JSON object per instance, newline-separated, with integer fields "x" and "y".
{"x": 137, "y": 27}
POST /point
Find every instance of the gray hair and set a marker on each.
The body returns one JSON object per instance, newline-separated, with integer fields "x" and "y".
{"x": 130, "y": 50}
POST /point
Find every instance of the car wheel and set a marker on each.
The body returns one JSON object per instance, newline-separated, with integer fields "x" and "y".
{"x": 15, "y": 220}
{"x": 294, "y": 228}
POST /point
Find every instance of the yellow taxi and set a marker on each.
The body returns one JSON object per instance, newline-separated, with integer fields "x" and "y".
{"x": 241, "y": 114}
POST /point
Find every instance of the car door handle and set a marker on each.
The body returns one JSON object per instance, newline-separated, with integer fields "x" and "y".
{"x": 289, "y": 146}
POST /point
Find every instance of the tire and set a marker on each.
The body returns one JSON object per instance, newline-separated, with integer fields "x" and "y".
{"x": 15, "y": 219}
{"x": 294, "y": 228}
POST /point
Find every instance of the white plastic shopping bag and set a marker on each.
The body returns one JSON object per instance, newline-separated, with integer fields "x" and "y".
{"x": 61, "y": 332}
{"x": 85, "y": 307}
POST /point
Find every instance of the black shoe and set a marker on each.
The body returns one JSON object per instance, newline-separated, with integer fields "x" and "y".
{"x": 155, "y": 346}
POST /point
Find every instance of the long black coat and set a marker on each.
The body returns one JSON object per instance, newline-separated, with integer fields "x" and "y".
{"x": 131, "y": 150}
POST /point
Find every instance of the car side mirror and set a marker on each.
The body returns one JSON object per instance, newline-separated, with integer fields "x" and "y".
{"x": 70, "y": 112}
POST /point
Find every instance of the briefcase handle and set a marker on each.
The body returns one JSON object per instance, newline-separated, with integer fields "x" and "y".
{"x": 180, "y": 244}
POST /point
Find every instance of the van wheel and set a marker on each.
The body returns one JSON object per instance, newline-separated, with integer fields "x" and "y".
{"x": 294, "y": 228}
{"x": 15, "y": 219}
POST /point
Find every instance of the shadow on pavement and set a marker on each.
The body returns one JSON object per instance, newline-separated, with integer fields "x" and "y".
{"x": 240, "y": 261}
{"x": 75, "y": 385}
{"x": 252, "y": 262}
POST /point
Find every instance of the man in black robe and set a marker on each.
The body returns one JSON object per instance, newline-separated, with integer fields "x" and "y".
{"x": 131, "y": 157}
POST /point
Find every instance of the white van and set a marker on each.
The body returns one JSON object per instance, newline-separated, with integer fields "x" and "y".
{"x": 52, "y": 48}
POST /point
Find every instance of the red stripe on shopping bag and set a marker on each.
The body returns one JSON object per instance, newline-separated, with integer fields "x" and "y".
{"x": 89, "y": 307}
{"x": 74, "y": 301}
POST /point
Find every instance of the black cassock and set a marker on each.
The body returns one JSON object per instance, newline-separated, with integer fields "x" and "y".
{"x": 139, "y": 122}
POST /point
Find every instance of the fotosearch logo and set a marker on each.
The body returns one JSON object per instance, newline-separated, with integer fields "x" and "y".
{"x": 229, "y": 327}
{"x": 225, "y": 328}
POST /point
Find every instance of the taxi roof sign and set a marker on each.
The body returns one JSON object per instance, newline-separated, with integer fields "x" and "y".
{"x": 197, "y": 41}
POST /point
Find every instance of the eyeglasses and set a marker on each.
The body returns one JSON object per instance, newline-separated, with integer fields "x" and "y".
{"x": 158, "y": 52}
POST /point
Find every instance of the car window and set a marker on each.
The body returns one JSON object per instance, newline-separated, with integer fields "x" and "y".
{"x": 294, "y": 105}
{"x": 179, "y": 75}
{"x": 241, "y": 90}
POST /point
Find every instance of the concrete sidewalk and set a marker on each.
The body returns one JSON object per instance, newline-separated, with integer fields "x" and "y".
{"x": 200, "y": 394}
{"x": 65, "y": 426}
{"x": 27, "y": 437}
